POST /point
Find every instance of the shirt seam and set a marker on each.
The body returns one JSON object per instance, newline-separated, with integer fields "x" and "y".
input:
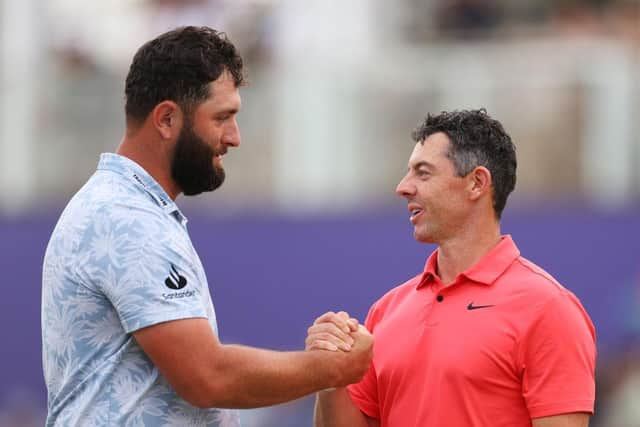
{"x": 187, "y": 313}
{"x": 547, "y": 279}
{"x": 564, "y": 407}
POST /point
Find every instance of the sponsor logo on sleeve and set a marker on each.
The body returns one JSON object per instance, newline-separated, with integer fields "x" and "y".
{"x": 176, "y": 281}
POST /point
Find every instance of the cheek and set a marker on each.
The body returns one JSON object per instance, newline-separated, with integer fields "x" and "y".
{"x": 446, "y": 199}
{"x": 216, "y": 136}
{"x": 456, "y": 203}
{"x": 208, "y": 131}
{"x": 434, "y": 195}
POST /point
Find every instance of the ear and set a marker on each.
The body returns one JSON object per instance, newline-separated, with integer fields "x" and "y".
{"x": 479, "y": 182}
{"x": 167, "y": 119}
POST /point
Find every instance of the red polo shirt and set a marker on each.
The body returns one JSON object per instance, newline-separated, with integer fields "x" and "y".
{"x": 503, "y": 344}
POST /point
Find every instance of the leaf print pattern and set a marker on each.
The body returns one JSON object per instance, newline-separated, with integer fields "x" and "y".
{"x": 188, "y": 416}
{"x": 103, "y": 278}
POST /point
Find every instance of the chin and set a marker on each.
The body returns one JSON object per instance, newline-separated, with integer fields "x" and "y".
{"x": 422, "y": 237}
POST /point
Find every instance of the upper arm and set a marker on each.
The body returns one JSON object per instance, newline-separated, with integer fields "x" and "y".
{"x": 564, "y": 420}
{"x": 186, "y": 353}
{"x": 146, "y": 270}
{"x": 558, "y": 356}
{"x": 163, "y": 301}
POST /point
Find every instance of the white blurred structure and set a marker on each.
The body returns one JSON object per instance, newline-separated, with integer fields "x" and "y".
{"x": 334, "y": 95}
{"x": 21, "y": 51}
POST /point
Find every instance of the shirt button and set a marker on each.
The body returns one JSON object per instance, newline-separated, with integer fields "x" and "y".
{"x": 439, "y": 298}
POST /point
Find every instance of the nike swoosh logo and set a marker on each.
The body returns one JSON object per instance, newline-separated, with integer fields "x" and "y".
{"x": 475, "y": 307}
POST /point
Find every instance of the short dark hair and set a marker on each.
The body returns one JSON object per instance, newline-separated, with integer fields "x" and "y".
{"x": 179, "y": 65}
{"x": 476, "y": 140}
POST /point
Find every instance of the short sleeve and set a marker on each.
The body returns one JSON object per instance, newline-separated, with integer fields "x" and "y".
{"x": 365, "y": 393}
{"x": 149, "y": 274}
{"x": 558, "y": 356}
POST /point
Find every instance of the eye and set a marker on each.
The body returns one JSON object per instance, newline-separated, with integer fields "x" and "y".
{"x": 422, "y": 173}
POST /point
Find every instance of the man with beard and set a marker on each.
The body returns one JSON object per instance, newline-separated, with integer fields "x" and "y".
{"x": 128, "y": 326}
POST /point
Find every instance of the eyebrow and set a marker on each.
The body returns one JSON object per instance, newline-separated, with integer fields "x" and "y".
{"x": 422, "y": 163}
{"x": 230, "y": 110}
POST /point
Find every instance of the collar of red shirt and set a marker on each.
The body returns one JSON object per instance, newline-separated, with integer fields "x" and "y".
{"x": 485, "y": 271}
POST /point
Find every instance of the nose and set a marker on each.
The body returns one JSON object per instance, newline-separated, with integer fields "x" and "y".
{"x": 405, "y": 188}
{"x": 231, "y": 135}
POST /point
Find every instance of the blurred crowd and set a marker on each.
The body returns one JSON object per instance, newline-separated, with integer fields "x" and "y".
{"x": 84, "y": 48}
{"x": 255, "y": 25}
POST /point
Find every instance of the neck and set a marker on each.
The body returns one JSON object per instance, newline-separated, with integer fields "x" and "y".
{"x": 148, "y": 152}
{"x": 462, "y": 251}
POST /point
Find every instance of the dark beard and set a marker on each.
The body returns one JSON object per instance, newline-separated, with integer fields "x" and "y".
{"x": 192, "y": 166}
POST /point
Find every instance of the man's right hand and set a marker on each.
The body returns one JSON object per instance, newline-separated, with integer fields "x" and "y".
{"x": 338, "y": 331}
{"x": 331, "y": 331}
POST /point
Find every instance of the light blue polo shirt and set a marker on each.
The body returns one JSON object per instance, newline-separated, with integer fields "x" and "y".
{"x": 119, "y": 259}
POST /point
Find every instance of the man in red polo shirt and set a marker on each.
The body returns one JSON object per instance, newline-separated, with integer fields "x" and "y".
{"x": 482, "y": 337}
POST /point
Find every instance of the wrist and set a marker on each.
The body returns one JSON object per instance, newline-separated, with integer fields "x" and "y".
{"x": 329, "y": 368}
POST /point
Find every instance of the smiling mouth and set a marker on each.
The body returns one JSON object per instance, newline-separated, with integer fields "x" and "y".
{"x": 217, "y": 160}
{"x": 218, "y": 155}
{"x": 415, "y": 213}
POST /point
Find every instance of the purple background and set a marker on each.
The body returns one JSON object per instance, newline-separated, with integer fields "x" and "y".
{"x": 270, "y": 276}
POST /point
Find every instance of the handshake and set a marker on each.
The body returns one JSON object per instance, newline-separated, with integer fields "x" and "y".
{"x": 350, "y": 344}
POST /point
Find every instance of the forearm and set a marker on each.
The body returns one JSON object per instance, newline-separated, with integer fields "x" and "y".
{"x": 334, "y": 408}
{"x": 207, "y": 373}
{"x": 246, "y": 377}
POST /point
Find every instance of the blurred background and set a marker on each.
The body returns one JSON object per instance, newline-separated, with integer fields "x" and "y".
{"x": 307, "y": 220}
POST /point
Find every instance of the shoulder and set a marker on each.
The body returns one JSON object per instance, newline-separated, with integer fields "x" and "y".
{"x": 109, "y": 200}
{"x": 109, "y": 214}
{"x": 547, "y": 296}
{"x": 529, "y": 277}
{"x": 113, "y": 193}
